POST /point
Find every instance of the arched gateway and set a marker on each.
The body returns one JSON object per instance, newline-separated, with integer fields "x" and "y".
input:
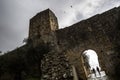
{"x": 91, "y": 64}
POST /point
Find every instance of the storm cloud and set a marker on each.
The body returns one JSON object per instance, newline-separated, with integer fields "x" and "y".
{"x": 15, "y": 15}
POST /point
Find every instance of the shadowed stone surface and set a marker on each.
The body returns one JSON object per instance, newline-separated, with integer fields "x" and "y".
{"x": 100, "y": 33}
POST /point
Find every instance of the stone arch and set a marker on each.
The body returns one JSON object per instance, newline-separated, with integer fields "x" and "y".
{"x": 87, "y": 62}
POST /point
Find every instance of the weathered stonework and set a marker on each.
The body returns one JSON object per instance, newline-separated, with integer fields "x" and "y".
{"x": 100, "y": 33}
{"x": 42, "y": 27}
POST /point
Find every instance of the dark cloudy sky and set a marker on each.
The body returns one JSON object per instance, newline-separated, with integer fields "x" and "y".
{"x": 15, "y": 15}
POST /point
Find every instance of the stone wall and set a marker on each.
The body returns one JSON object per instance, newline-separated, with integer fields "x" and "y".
{"x": 42, "y": 27}
{"x": 55, "y": 66}
{"x": 99, "y": 33}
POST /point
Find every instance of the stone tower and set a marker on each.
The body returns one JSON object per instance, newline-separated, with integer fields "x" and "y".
{"x": 42, "y": 27}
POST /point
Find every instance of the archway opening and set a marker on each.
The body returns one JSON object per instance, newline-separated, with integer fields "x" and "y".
{"x": 91, "y": 64}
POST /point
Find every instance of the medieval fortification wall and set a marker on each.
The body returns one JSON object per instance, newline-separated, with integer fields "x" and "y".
{"x": 100, "y": 33}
